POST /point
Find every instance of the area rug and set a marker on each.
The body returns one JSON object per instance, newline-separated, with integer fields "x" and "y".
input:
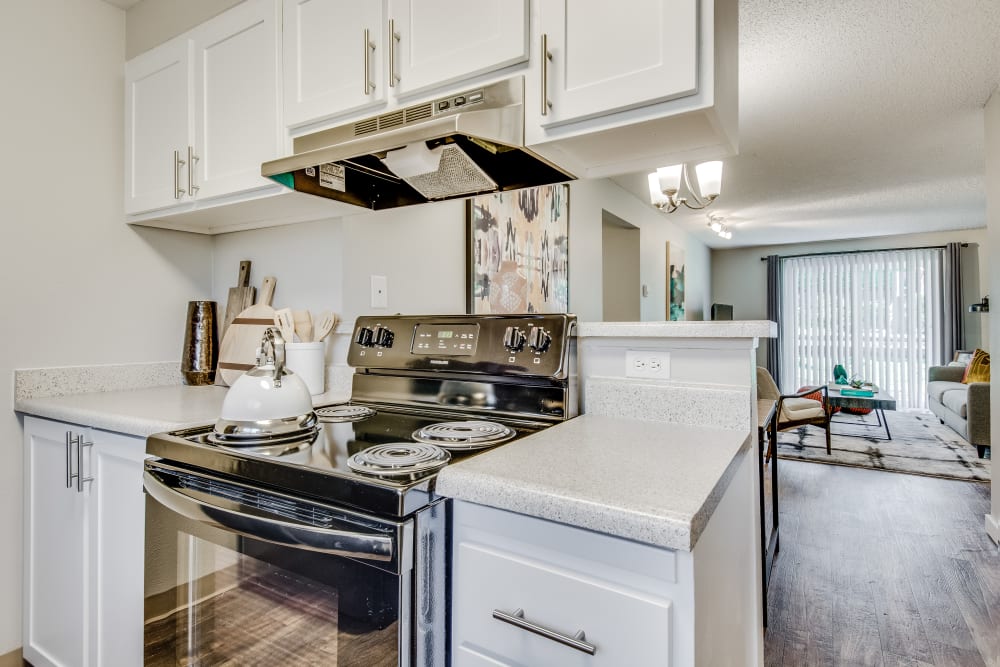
{"x": 920, "y": 445}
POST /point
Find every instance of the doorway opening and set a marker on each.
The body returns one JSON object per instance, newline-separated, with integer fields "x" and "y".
{"x": 620, "y": 270}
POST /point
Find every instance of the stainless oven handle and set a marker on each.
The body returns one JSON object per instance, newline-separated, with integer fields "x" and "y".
{"x": 323, "y": 540}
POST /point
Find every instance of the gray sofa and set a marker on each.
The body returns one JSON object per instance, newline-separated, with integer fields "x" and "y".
{"x": 963, "y": 407}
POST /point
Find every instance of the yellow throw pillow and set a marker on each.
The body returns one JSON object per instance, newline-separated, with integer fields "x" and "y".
{"x": 979, "y": 368}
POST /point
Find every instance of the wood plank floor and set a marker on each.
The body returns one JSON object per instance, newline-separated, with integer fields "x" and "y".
{"x": 881, "y": 569}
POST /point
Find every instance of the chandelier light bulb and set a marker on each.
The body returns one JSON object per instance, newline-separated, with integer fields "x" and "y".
{"x": 709, "y": 178}
{"x": 656, "y": 195}
{"x": 670, "y": 178}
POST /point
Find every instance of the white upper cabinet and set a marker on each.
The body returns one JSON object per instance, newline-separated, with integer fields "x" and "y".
{"x": 159, "y": 126}
{"x": 334, "y": 57}
{"x": 203, "y": 112}
{"x": 610, "y": 56}
{"x": 438, "y": 42}
{"x": 235, "y": 100}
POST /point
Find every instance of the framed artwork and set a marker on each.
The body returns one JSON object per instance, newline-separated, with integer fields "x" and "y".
{"x": 675, "y": 282}
{"x": 518, "y": 251}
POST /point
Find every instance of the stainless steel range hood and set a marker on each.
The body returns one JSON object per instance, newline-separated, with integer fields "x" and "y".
{"x": 457, "y": 146}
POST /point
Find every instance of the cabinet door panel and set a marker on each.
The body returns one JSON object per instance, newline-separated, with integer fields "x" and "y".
{"x": 117, "y": 550}
{"x": 236, "y": 99}
{"x": 324, "y": 57}
{"x": 157, "y": 121}
{"x": 55, "y": 563}
{"x": 613, "y": 56}
{"x": 441, "y": 41}
{"x": 628, "y": 628}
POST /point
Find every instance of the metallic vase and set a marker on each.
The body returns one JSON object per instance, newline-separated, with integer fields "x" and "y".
{"x": 201, "y": 344}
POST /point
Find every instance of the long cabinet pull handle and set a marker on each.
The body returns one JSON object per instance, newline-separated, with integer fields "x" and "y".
{"x": 69, "y": 461}
{"x": 393, "y": 41}
{"x": 178, "y": 163}
{"x": 546, "y": 58}
{"x": 80, "y": 479}
{"x": 192, "y": 159}
{"x": 369, "y": 49}
{"x": 516, "y": 619}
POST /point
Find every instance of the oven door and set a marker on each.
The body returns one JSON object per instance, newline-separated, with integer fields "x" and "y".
{"x": 238, "y": 575}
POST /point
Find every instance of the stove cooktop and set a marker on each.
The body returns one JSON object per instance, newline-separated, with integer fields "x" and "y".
{"x": 319, "y": 467}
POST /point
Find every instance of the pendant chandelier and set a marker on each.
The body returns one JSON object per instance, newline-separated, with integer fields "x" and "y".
{"x": 665, "y": 185}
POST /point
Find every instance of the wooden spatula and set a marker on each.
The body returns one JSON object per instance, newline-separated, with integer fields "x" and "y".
{"x": 238, "y": 352}
{"x": 283, "y": 318}
{"x": 327, "y": 323}
{"x": 240, "y": 297}
{"x": 303, "y": 325}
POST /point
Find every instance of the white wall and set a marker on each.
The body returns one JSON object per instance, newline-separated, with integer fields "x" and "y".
{"x": 992, "y": 182}
{"x": 82, "y": 287}
{"x": 740, "y": 278}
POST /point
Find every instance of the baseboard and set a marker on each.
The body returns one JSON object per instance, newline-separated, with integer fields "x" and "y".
{"x": 992, "y": 529}
{"x": 12, "y": 659}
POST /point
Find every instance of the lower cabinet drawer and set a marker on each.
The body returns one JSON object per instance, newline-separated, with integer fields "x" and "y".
{"x": 625, "y": 627}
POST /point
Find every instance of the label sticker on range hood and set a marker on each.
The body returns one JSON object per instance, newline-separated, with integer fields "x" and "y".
{"x": 331, "y": 175}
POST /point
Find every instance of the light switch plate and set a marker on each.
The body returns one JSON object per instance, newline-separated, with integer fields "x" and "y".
{"x": 380, "y": 292}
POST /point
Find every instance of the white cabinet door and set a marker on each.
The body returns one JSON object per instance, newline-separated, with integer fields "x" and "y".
{"x": 55, "y": 548}
{"x": 236, "y": 99}
{"x": 116, "y": 510}
{"x": 83, "y": 551}
{"x": 611, "y": 56}
{"x": 442, "y": 41}
{"x": 334, "y": 57}
{"x": 157, "y": 123}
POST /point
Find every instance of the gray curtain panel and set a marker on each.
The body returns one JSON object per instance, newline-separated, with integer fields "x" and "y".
{"x": 954, "y": 310}
{"x": 774, "y": 314}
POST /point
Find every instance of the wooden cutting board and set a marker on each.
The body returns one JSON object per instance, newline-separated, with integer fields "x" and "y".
{"x": 238, "y": 352}
{"x": 240, "y": 297}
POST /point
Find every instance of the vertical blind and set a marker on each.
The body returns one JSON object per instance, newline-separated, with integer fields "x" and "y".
{"x": 878, "y": 314}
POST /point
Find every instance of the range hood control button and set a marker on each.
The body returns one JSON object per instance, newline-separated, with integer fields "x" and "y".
{"x": 364, "y": 337}
{"x": 382, "y": 336}
{"x": 513, "y": 339}
{"x": 539, "y": 339}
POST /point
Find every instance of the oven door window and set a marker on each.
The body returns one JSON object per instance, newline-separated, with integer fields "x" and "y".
{"x": 216, "y": 595}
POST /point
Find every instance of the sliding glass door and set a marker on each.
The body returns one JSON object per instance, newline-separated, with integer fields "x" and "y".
{"x": 879, "y": 314}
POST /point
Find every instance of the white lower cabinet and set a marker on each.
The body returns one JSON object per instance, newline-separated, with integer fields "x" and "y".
{"x": 527, "y": 592}
{"x": 83, "y": 546}
{"x": 581, "y": 590}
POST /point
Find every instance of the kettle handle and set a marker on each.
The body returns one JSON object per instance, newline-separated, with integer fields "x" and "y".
{"x": 272, "y": 350}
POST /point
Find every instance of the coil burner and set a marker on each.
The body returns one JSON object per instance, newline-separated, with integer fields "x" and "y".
{"x": 344, "y": 413}
{"x": 399, "y": 460}
{"x": 464, "y": 435}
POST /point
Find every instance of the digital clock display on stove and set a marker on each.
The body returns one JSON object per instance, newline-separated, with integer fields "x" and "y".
{"x": 453, "y": 340}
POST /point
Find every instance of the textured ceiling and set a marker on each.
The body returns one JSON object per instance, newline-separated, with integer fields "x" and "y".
{"x": 123, "y": 4}
{"x": 857, "y": 118}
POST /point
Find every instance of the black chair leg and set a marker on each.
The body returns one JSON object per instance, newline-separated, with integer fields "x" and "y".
{"x": 829, "y": 451}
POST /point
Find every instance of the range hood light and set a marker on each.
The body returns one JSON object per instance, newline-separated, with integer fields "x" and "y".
{"x": 413, "y": 160}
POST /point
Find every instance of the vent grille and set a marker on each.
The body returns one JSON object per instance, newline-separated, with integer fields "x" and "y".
{"x": 419, "y": 112}
{"x": 394, "y": 119}
{"x": 366, "y": 126}
{"x": 291, "y": 509}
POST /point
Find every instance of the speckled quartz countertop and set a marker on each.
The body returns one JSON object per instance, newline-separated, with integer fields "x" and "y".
{"x": 652, "y": 482}
{"x": 693, "y": 329}
{"x": 141, "y": 411}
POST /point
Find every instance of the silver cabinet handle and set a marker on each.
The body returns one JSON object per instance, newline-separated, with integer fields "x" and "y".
{"x": 393, "y": 41}
{"x": 369, "y": 49}
{"x": 192, "y": 159}
{"x": 546, "y": 57}
{"x": 297, "y": 536}
{"x": 78, "y": 442}
{"x": 178, "y": 163}
{"x": 69, "y": 460}
{"x": 516, "y": 619}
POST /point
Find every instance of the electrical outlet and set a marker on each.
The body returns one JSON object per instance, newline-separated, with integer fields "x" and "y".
{"x": 380, "y": 292}
{"x": 647, "y": 364}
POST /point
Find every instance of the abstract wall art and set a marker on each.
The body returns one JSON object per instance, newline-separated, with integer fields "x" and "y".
{"x": 675, "y": 282}
{"x": 519, "y": 251}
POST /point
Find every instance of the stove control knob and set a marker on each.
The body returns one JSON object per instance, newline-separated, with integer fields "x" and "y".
{"x": 513, "y": 339}
{"x": 539, "y": 339}
{"x": 364, "y": 337}
{"x": 383, "y": 336}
